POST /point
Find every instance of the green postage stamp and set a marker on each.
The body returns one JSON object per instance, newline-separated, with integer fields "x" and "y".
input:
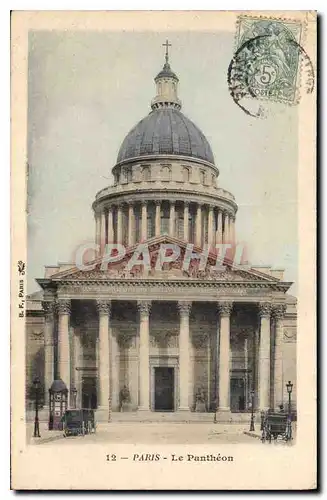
{"x": 268, "y": 60}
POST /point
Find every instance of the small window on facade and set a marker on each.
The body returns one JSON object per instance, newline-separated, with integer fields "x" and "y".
{"x": 202, "y": 176}
{"x": 165, "y": 173}
{"x": 128, "y": 174}
{"x": 186, "y": 174}
{"x": 146, "y": 174}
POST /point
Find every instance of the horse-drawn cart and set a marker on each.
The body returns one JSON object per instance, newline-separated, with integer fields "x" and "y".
{"x": 276, "y": 425}
{"x": 78, "y": 422}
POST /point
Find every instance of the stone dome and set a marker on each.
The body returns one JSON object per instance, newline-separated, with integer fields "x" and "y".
{"x": 165, "y": 131}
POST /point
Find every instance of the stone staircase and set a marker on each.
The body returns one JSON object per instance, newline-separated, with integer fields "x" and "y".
{"x": 142, "y": 416}
{"x": 182, "y": 417}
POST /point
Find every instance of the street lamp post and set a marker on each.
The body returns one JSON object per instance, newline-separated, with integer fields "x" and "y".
{"x": 74, "y": 395}
{"x": 289, "y": 387}
{"x": 36, "y": 384}
{"x": 252, "y": 429}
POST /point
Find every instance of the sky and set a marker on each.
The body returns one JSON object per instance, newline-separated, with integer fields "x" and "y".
{"x": 86, "y": 90}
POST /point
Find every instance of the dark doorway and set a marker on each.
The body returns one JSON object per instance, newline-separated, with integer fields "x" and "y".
{"x": 164, "y": 389}
{"x": 237, "y": 394}
{"x": 89, "y": 392}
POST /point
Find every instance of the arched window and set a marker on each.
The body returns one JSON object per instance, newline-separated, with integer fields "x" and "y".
{"x": 202, "y": 176}
{"x": 146, "y": 173}
{"x": 213, "y": 178}
{"x": 165, "y": 173}
{"x": 128, "y": 174}
{"x": 186, "y": 174}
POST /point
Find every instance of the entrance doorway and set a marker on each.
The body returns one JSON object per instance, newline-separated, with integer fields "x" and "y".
{"x": 89, "y": 392}
{"x": 163, "y": 388}
{"x": 237, "y": 395}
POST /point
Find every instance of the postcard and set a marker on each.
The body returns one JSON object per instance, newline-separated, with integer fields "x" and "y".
{"x": 163, "y": 331}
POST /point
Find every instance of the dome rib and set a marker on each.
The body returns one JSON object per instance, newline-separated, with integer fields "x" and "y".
{"x": 165, "y": 131}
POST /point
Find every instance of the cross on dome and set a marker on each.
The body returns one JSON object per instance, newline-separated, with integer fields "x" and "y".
{"x": 167, "y": 44}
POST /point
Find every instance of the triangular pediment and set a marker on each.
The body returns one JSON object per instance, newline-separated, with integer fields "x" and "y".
{"x": 147, "y": 261}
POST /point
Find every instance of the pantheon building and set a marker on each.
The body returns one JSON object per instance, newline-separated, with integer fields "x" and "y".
{"x": 168, "y": 340}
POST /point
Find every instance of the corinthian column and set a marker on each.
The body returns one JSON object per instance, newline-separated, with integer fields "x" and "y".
{"x": 226, "y": 228}
{"x": 63, "y": 341}
{"x": 184, "y": 354}
{"x": 144, "y": 222}
{"x": 103, "y": 230}
{"x": 172, "y": 219}
{"x": 110, "y": 226}
{"x": 232, "y": 230}
{"x": 158, "y": 217}
{"x": 219, "y": 232}
{"x": 48, "y": 348}
{"x": 225, "y": 309}
{"x": 119, "y": 224}
{"x": 186, "y": 222}
{"x": 144, "y": 368}
{"x": 131, "y": 225}
{"x": 264, "y": 355}
{"x": 198, "y": 222}
{"x": 104, "y": 310}
{"x": 278, "y": 313}
{"x": 97, "y": 217}
{"x": 211, "y": 236}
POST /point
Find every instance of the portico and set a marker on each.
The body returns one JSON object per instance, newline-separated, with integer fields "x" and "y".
{"x": 225, "y": 347}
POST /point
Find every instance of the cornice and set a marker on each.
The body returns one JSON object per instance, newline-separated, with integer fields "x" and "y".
{"x": 166, "y": 194}
{"x": 152, "y": 283}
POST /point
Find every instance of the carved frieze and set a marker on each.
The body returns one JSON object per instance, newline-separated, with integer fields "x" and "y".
{"x": 164, "y": 339}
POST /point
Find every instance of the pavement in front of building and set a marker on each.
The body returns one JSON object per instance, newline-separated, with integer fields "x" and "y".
{"x": 150, "y": 433}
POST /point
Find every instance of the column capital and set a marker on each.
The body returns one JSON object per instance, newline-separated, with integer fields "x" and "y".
{"x": 144, "y": 306}
{"x": 48, "y": 307}
{"x": 120, "y": 205}
{"x": 210, "y": 208}
{"x": 144, "y": 203}
{"x": 172, "y": 203}
{"x": 225, "y": 308}
{"x": 104, "y": 307}
{"x": 184, "y": 307}
{"x": 186, "y": 203}
{"x": 278, "y": 311}
{"x": 158, "y": 203}
{"x": 264, "y": 309}
{"x": 63, "y": 306}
